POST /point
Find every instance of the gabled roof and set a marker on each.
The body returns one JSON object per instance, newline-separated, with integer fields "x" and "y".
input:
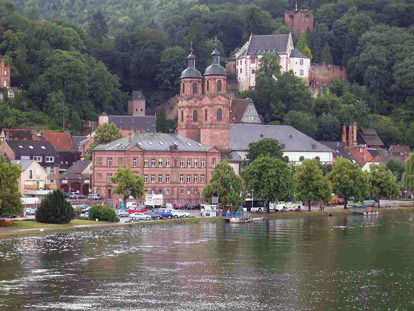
{"x": 19, "y": 134}
{"x": 296, "y": 54}
{"x": 77, "y": 140}
{"x": 268, "y": 44}
{"x": 241, "y": 135}
{"x": 24, "y": 163}
{"x": 237, "y": 109}
{"x": 154, "y": 142}
{"x": 135, "y": 123}
{"x": 137, "y": 95}
{"x": 339, "y": 149}
{"x": 79, "y": 166}
{"x": 32, "y": 148}
{"x": 370, "y": 137}
{"x": 400, "y": 149}
{"x": 62, "y": 141}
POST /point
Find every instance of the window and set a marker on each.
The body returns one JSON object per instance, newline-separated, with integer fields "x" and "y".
{"x": 30, "y": 174}
{"x": 205, "y": 114}
{"x": 98, "y": 175}
{"x": 253, "y": 61}
{"x": 301, "y": 72}
{"x": 120, "y": 161}
{"x": 108, "y": 177}
{"x": 318, "y": 159}
{"x": 153, "y": 162}
{"x": 182, "y": 115}
{"x": 37, "y": 158}
{"x": 160, "y": 162}
{"x": 134, "y": 162}
{"x": 188, "y": 178}
{"x": 181, "y": 178}
{"x": 203, "y": 163}
{"x": 240, "y": 70}
{"x": 146, "y": 162}
{"x": 153, "y": 178}
{"x": 167, "y": 162}
{"x": 208, "y": 85}
{"x": 183, "y": 87}
{"x": 301, "y": 61}
{"x": 50, "y": 159}
{"x": 188, "y": 191}
{"x": 202, "y": 178}
{"x": 109, "y": 162}
{"x": 167, "y": 191}
{"x": 99, "y": 161}
{"x": 213, "y": 163}
{"x": 195, "y": 117}
{"x": 195, "y": 88}
{"x": 160, "y": 178}
{"x": 181, "y": 191}
{"x": 167, "y": 178}
{"x": 50, "y": 170}
{"x": 301, "y": 158}
{"x": 195, "y": 178}
{"x": 146, "y": 178}
{"x": 4, "y": 83}
{"x": 195, "y": 162}
{"x": 189, "y": 162}
{"x": 219, "y": 86}
{"x": 253, "y": 71}
{"x": 182, "y": 162}
{"x": 5, "y": 73}
{"x": 219, "y": 114}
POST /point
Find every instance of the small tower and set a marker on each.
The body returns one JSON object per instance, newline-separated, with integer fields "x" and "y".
{"x": 4, "y": 74}
{"x": 136, "y": 105}
{"x": 190, "y": 95}
{"x": 215, "y": 76}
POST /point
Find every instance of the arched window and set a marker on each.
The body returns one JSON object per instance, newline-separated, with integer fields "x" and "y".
{"x": 318, "y": 159}
{"x": 219, "y": 86}
{"x": 286, "y": 159}
{"x": 183, "y": 87}
{"x": 195, "y": 117}
{"x": 301, "y": 158}
{"x": 182, "y": 115}
{"x": 219, "y": 114}
{"x": 208, "y": 86}
{"x": 194, "y": 88}
{"x": 205, "y": 114}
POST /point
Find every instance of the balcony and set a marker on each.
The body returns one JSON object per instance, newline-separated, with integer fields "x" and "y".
{"x": 51, "y": 187}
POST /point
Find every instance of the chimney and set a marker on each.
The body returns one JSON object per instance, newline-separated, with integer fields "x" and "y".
{"x": 344, "y": 133}
{"x": 355, "y": 135}
{"x": 350, "y": 136}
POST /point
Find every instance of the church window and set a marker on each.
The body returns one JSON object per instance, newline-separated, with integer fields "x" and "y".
{"x": 182, "y": 115}
{"x": 205, "y": 114}
{"x": 219, "y": 86}
{"x": 208, "y": 85}
{"x": 219, "y": 114}
{"x": 195, "y": 117}
{"x": 194, "y": 88}
{"x": 183, "y": 87}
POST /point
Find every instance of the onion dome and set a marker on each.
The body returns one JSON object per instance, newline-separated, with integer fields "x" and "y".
{"x": 215, "y": 69}
{"x": 191, "y": 71}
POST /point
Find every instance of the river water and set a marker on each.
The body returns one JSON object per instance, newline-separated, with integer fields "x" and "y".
{"x": 327, "y": 263}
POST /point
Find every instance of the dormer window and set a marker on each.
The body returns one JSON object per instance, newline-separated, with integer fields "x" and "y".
{"x": 50, "y": 159}
{"x": 37, "y": 158}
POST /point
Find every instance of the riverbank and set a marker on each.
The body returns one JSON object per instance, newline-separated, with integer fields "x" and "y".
{"x": 23, "y": 228}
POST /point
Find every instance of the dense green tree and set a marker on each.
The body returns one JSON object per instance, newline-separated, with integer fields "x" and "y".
{"x": 326, "y": 57}
{"x": 264, "y": 147}
{"x": 348, "y": 181}
{"x": 98, "y": 27}
{"x": 383, "y": 183}
{"x": 128, "y": 183}
{"x": 270, "y": 178}
{"x": 102, "y": 213}
{"x": 227, "y": 185}
{"x": 408, "y": 175}
{"x": 104, "y": 134}
{"x": 54, "y": 209}
{"x": 9, "y": 188}
{"x": 396, "y": 167}
{"x": 303, "y": 47}
{"x": 310, "y": 183}
{"x": 302, "y": 121}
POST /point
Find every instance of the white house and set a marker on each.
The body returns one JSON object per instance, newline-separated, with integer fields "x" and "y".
{"x": 32, "y": 181}
{"x": 248, "y": 58}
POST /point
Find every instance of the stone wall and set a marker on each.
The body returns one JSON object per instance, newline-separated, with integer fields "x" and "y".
{"x": 300, "y": 21}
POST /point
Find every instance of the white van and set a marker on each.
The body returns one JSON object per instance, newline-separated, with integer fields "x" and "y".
{"x": 208, "y": 210}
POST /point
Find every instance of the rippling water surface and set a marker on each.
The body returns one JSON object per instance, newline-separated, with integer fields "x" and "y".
{"x": 336, "y": 263}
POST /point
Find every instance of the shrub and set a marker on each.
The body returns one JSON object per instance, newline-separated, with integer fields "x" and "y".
{"x": 103, "y": 213}
{"x": 54, "y": 209}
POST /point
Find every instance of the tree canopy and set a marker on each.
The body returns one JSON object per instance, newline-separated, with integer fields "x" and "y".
{"x": 128, "y": 183}
{"x": 264, "y": 147}
{"x": 383, "y": 183}
{"x": 9, "y": 188}
{"x": 408, "y": 175}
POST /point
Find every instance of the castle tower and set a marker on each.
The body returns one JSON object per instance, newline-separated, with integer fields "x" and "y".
{"x": 136, "y": 105}
{"x": 4, "y": 74}
{"x": 215, "y": 126}
{"x": 189, "y": 102}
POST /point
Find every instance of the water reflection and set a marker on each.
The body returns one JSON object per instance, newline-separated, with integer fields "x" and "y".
{"x": 327, "y": 263}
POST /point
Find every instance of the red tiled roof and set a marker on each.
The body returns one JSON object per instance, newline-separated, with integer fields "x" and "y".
{"x": 401, "y": 149}
{"x": 126, "y": 132}
{"x": 19, "y": 134}
{"x": 62, "y": 141}
{"x": 238, "y": 109}
{"x": 361, "y": 155}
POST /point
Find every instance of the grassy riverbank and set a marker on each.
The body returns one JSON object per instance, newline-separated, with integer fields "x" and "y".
{"x": 22, "y": 228}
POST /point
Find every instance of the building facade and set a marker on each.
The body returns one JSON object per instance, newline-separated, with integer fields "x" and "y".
{"x": 290, "y": 59}
{"x": 32, "y": 181}
{"x": 5, "y": 80}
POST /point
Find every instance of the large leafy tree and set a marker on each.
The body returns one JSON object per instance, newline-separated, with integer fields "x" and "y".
{"x": 128, "y": 183}
{"x": 396, "y": 167}
{"x": 383, "y": 183}
{"x": 9, "y": 188}
{"x": 408, "y": 175}
{"x": 227, "y": 185}
{"x": 348, "y": 180}
{"x": 264, "y": 147}
{"x": 310, "y": 183}
{"x": 104, "y": 134}
{"x": 270, "y": 178}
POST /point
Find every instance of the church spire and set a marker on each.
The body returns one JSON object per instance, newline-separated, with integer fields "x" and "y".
{"x": 191, "y": 71}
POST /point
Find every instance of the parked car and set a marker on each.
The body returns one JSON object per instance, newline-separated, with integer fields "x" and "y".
{"x": 30, "y": 211}
{"x": 137, "y": 209}
{"x": 165, "y": 213}
{"x": 189, "y": 206}
{"x": 84, "y": 215}
{"x": 123, "y": 213}
{"x": 94, "y": 196}
{"x": 175, "y": 213}
{"x": 75, "y": 196}
{"x": 178, "y": 206}
{"x": 140, "y": 216}
{"x": 154, "y": 215}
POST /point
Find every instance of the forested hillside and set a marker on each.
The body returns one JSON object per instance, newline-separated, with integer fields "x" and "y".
{"x": 84, "y": 57}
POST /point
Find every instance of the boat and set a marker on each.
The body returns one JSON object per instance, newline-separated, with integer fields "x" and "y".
{"x": 366, "y": 211}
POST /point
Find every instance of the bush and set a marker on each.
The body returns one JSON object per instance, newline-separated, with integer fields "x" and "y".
{"x": 103, "y": 213}
{"x": 55, "y": 209}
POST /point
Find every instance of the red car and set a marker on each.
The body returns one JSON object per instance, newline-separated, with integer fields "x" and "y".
{"x": 178, "y": 206}
{"x": 137, "y": 209}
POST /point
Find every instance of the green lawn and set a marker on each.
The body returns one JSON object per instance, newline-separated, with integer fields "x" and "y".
{"x": 29, "y": 224}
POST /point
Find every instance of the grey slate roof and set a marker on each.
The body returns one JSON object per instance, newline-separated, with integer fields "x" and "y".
{"x": 77, "y": 140}
{"x": 296, "y": 54}
{"x": 24, "y": 163}
{"x": 338, "y": 148}
{"x": 154, "y": 142}
{"x": 267, "y": 44}
{"x": 32, "y": 148}
{"x": 79, "y": 166}
{"x": 191, "y": 73}
{"x": 241, "y": 135}
{"x": 135, "y": 123}
{"x": 215, "y": 70}
{"x": 137, "y": 95}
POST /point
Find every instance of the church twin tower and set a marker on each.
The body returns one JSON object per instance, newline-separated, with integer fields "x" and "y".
{"x": 203, "y": 112}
